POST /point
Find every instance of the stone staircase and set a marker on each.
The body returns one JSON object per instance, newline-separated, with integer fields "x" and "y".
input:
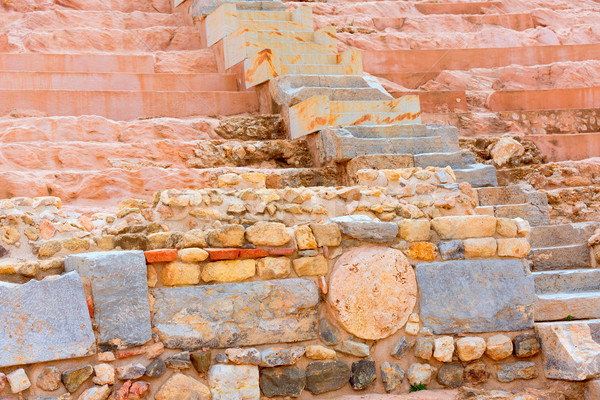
{"x": 320, "y": 91}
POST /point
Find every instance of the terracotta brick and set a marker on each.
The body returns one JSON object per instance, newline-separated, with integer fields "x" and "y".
{"x": 161, "y": 255}
{"x": 223, "y": 254}
{"x": 253, "y": 253}
{"x": 281, "y": 251}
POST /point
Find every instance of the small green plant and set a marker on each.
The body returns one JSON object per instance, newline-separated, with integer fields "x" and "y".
{"x": 417, "y": 388}
{"x": 569, "y": 317}
{"x": 351, "y": 23}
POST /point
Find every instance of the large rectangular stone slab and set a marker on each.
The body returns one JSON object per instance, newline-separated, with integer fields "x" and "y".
{"x": 44, "y": 320}
{"x": 236, "y": 314}
{"x": 120, "y": 293}
{"x": 475, "y": 296}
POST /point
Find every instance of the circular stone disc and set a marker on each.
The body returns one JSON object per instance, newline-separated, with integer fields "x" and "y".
{"x": 372, "y": 291}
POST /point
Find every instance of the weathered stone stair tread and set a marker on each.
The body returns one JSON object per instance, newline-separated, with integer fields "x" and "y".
{"x": 274, "y": 25}
{"x": 563, "y": 234}
{"x": 549, "y": 99}
{"x": 309, "y": 58}
{"x": 397, "y": 131}
{"x": 99, "y": 63}
{"x": 514, "y": 21}
{"x": 560, "y": 257}
{"x": 12, "y": 80}
{"x": 292, "y": 47}
{"x": 567, "y": 281}
{"x": 129, "y": 105}
{"x": 457, "y": 159}
{"x": 295, "y": 96}
{"x": 558, "y": 306}
{"x": 478, "y": 175}
{"x": 457, "y": 8}
{"x": 535, "y": 214}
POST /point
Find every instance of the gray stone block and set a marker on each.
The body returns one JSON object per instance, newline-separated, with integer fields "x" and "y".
{"x": 120, "y": 293}
{"x": 364, "y": 228}
{"x": 237, "y": 314}
{"x": 478, "y": 175}
{"x": 560, "y": 257}
{"x": 532, "y": 213}
{"x": 459, "y": 159}
{"x": 44, "y": 320}
{"x": 563, "y": 234}
{"x": 567, "y": 281}
{"x": 475, "y": 296}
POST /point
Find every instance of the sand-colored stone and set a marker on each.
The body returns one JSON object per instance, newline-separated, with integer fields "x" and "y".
{"x": 480, "y": 247}
{"x": 443, "y": 348}
{"x": 305, "y": 239}
{"x": 268, "y": 234}
{"x": 316, "y": 352}
{"x": 513, "y": 247}
{"x": 414, "y": 230}
{"x": 328, "y": 234}
{"x": 181, "y": 386}
{"x": 193, "y": 254}
{"x": 499, "y": 347}
{"x": 464, "y": 227}
{"x": 506, "y": 227}
{"x": 311, "y": 266}
{"x": 273, "y": 267}
{"x": 178, "y": 273}
{"x": 423, "y": 251}
{"x": 372, "y": 291}
{"x": 470, "y": 348}
{"x": 229, "y": 235}
{"x": 229, "y": 270}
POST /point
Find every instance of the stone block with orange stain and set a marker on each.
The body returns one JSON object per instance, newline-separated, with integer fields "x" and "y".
{"x": 423, "y": 251}
{"x": 178, "y": 273}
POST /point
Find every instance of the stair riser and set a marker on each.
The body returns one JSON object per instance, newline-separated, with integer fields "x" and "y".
{"x": 567, "y": 281}
{"x": 566, "y": 257}
{"x": 555, "y": 309}
{"x": 77, "y": 63}
{"x": 129, "y": 105}
{"x": 562, "y": 235}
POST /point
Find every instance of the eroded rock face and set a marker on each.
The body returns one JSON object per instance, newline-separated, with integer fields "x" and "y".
{"x": 372, "y": 291}
{"x": 234, "y": 382}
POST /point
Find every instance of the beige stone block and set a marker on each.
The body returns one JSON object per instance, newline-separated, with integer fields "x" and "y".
{"x": 304, "y": 238}
{"x": 273, "y": 267}
{"x": 178, "y": 273}
{"x": 155, "y": 240}
{"x": 311, "y": 266}
{"x": 412, "y": 328}
{"x": 328, "y": 234}
{"x": 506, "y": 227}
{"x": 444, "y": 348}
{"x": 464, "y": 227}
{"x": 192, "y": 255}
{"x": 229, "y": 235}
{"x": 316, "y": 352}
{"x": 499, "y": 347}
{"x": 414, "y": 230}
{"x": 268, "y": 234}
{"x": 152, "y": 276}
{"x": 229, "y": 271}
{"x": 523, "y": 227}
{"x": 480, "y": 247}
{"x": 470, "y": 348}
{"x": 513, "y": 247}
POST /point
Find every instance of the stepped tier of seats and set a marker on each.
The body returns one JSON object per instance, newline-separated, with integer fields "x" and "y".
{"x": 486, "y": 67}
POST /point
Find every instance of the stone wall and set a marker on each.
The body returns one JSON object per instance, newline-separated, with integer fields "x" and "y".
{"x": 379, "y": 287}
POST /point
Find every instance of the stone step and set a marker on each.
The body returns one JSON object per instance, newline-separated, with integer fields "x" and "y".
{"x": 511, "y": 194}
{"x": 99, "y": 63}
{"x": 533, "y": 213}
{"x": 308, "y": 58}
{"x": 567, "y": 147}
{"x": 549, "y": 99}
{"x": 128, "y": 105}
{"x": 563, "y": 234}
{"x": 513, "y": 21}
{"x": 478, "y": 175}
{"x": 478, "y": 7}
{"x": 568, "y": 281}
{"x": 146, "y": 40}
{"x": 397, "y": 131}
{"x": 261, "y": 15}
{"x": 295, "y": 96}
{"x": 560, "y": 257}
{"x": 458, "y": 159}
{"x": 281, "y": 26}
{"x": 117, "y": 81}
{"x": 59, "y": 19}
{"x": 558, "y": 306}
{"x": 316, "y": 69}
{"x": 155, "y": 6}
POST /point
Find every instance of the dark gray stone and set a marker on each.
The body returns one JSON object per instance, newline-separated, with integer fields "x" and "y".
{"x": 282, "y": 381}
{"x": 475, "y": 296}
{"x": 179, "y": 361}
{"x": 120, "y": 293}
{"x": 221, "y": 358}
{"x": 325, "y": 376}
{"x": 44, "y": 320}
{"x": 237, "y": 314}
{"x": 452, "y": 250}
{"x": 329, "y": 334}
{"x": 3, "y": 252}
{"x": 476, "y": 372}
{"x": 391, "y": 376}
{"x": 73, "y": 378}
{"x": 364, "y": 228}
{"x": 424, "y": 347}
{"x": 131, "y": 371}
{"x": 517, "y": 370}
{"x": 450, "y": 375}
{"x": 201, "y": 361}
{"x": 401, "y": 348}
{"x": 526, "y": 345}
{"x": 362, "y": 374}
{"x": 156, "y": 368}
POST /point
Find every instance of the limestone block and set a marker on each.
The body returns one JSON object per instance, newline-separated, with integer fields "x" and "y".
{"x": 234, "y": 382}
{"x": 177, "y": 273}
{"x": 304, "y": 238}
{"x": 364, "y": 228}
{"x": 513, "y": 247}
{"x": 268, "y": 234}
{"x": 45, "y": 320}
{"x": 470, "y": 348}
{"x": 328, "y": 234}
{"x": 120, "y": 295}
{"x": 311, "y": 266}
{"x": 464, "y": 227}
{"x": 229, "y": 270}
{"x": 414, "y": 230}
{"x": 181, "y": 386}
{"x": 236, "y": 314}
{"x": 273, "y": 267}
{"x": 484, "y": 296}
{"x": 480, "y": 247}
{"x": 499, "y": 347}
{"x": 506, "y": 227}
{"x": 444, "y": 348}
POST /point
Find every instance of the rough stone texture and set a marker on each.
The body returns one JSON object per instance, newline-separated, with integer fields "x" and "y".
{"x": 423, "y": 251}
{"x": 450, "y": 375}
{"x": 401, "y": 348}
{"x": 59, "y": 306}
{"x": 201, "y": 361}
{"x": 513, "y": 247}
{"x": 192, "y": 255}
{"x": 526, "y": 345}
{"x": 273, "y": 267}
{"x": 470, "y": 348}
{"x": 265, "y": 312}
{"x": 480, "y": 247}
{"x": 18, "y": 381}
{"x": 49, "y": 379}
{"x": 179, "y": 361}
{"x": 391, "y": 376}
{"x": 444, "y": 348}
{"x": 262, "y": 127}
{"x": 353, "y": 348}
{"x": 228, "y": 235}
{"x": 311, "y": 266}
{"x": 73, "y": 378}
{"x": 420, "y": 374}
{"x": 181, "y": 386}
{"x": 505, "y": 149}
{"x": 120, "y": 293}
{"x": 364, "y": 228}
{"x": 316, "y": 352}
{"x": 464, "y": 227}
{"x": 451, "y": 250}
{"x": 229, "y": 270}
{"x": 363, "y": 373}
{"x": 414, "y": 230}
{"x": 328, "y": 234}
{"x": 131, "y": 371}
{"x": 476, "y": 372}
{"x": 156, "y": 368}
{"x": 569, "y": 350}
{"x": 243, "y": 356}
{"x": 485, "y": 296}
{"x": 329, "y": 334}
{"x": 276, "y": 357}
{"x": 282, "y": 381}
{"x": 305, "y": 239}
{"x": 424, "y": 347}
{"x": 372, "y": 291}
{"x": 104, "y": 374}
{"x": 234, "y": 382}
{"x": 506, "y": 227}
{"x": 517, "y": 370}
{"x": 268, "y": 234}
{"x": 326, "y": 376}
{"x": 499, "y": 347}
{"x": 197, "y": 238}
{"x": 177, "y": 273}
{"x": 96, "y": 393}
